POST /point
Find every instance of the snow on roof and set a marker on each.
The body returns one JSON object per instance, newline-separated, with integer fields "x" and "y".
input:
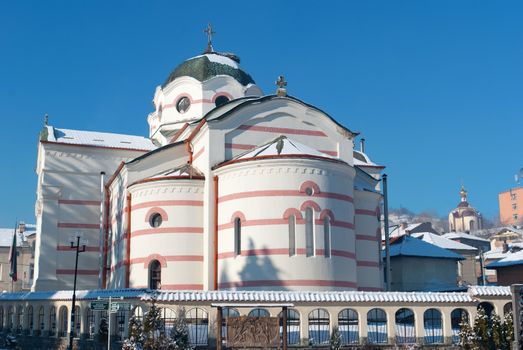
{"x": 410, "y": 246}
{"x": 6, "y": 235}
{"x": 443, "y": 242}
{"x": 510, "y": 259}
{"x": 453, "y": 235}
{"x": 183, "y": 170}
{"x": 101, "y": 139}
{"x": 362, "y": 159}
{"x": 282, "y": 146}
{"x": 213, "y": 57}
{"x": 495, "y": 254}
{"x": 482, "y": 291}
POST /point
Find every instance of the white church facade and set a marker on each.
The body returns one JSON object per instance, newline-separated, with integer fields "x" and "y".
{"x": 232, "y": 190}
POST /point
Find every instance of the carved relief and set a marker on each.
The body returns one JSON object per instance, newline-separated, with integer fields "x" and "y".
{"x": 253, "y": 332}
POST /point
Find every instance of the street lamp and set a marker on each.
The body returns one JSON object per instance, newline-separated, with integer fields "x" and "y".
{"x": 79, "y": 249}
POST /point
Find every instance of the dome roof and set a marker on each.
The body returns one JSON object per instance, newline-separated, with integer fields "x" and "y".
{"x": 209, "y": 65}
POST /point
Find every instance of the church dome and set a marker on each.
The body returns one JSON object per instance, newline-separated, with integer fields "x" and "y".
{"x": 209, "y": 65}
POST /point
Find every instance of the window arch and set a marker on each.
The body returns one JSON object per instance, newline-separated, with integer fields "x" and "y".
{"x": 41, "y": 322}
{"x": 487, "y": 307}
{"x": 309, "y": 232}
{"x": 169, "y": 319}
{"x": 348, "y": 326}
{"x": 259, "y": 312}
{"x": 405, "y": 328}
{"x": 10, "y": 318}
{"x": 507, "y": 308}
{"x": 327, "y": 236}
{"x": 292, "y": 234}
{"x": 155, "y": 275}
{"x": 19, "y": 319}
{"x": 62, "y": 330}
{"x": 319, "y": 327}
{"x": 227, "y": 312}
{"x": 377, "y": 326}
{"x": 237, "y": 236}
{"x": 30, "y": 324}
{"x": 77, "y": 321}
{"x": 293, "y": 326}
{"x": 457, "y": 317}
{"x": 198, "y": 326}
{"x": 52, "y": 321}
{"x": 433, "y": 326}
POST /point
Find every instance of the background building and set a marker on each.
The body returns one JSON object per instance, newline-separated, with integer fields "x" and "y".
{"x": 511, "y": 207}
{"x": 464, "y": 218}
{"x": 26, "y": 235}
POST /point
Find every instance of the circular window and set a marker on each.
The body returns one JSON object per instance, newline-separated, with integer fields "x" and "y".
{"x": 221, "y": 100}
{"x": 309, "y": 191}
{"x": 155, "y": 220}
{"x": 183, "y": 104}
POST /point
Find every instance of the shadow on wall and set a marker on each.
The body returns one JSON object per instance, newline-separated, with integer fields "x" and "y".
{"x": 259, "y": 271}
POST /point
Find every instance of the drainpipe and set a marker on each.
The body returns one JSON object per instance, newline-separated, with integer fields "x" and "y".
{"x": 128, "y": 244}
{"x": 216, "y": 233}
{"x": 386, "y": 228}
{"x": 101, "y": 234}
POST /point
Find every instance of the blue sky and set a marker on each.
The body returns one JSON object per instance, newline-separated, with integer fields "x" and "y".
{"x": 434, "y": 86}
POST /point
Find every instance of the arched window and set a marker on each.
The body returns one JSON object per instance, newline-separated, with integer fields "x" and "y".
{"x": 377, "y": 326}
{"x": 457, "y": 317}
{"x": 155, "y": 275}
{"x": 327, "y": 236}
{"x": 90, "y": 323}
{"x": 259, "y": 313}
{"x": 10, "y": 318}
{"x": 169, "y": 319}
{"x": 221, "y": 100}
{"x": 293, "y": 326}
{"x": 52, "y": 321}
{"x": 77, "y": 321}
{"x": 237, "y": 236}
{"x": 41, "y": 321}
{"x": 62, "y": 330}
{"x": 405, "y": 329}
{"x": 433, "y": 326}
{"x": 507, "y": 308}
{"x": 1, "y": 318}
{"x": 309, "y": 232}
{"x": 292, "y": 235}
{"x": 487, "y": 307}
{"x": 138, "y": 313}
{"x": 227, "y": 312}
{"x": 20, "y": 319}
{"x": 198, "y": 326}
{"x": 319, "y": 327}
{"x": 30, "y": 324}
{"x": 348, "y": 326}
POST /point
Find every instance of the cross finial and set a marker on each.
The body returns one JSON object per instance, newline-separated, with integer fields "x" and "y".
{"x": 281, "y": 83}
{"x": 209, "y": 33}
{"x": 46, "y": 120}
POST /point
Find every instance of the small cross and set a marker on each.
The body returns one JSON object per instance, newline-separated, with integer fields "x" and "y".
{"x": 46, "y": 120}
{"x": 209, "y": 33}
{"x": 281, "y": 83}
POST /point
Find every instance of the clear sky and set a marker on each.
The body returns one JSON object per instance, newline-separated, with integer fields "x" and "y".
{"x": 435, "y": 87}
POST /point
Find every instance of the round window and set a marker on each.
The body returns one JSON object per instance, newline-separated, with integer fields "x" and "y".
{"x": 155, "y": 220}
{"x": 309, "y": 191}
{"x": 183, "y": 104}
{"x": 221, "y": 100}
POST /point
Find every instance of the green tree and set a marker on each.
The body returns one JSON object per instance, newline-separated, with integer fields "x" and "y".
{"x": 467, "y": 338}
{"x": 179, "y": 337}
{"x": 507, "y": 332}
{"x": 136, "y": 338}
{"x": 335, "y": 343}
{"x": 496, "y": 330}
{"x": 481, "y": 330}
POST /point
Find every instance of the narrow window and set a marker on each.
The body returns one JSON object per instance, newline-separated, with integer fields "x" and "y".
{"x": 237, "y": 236}
{"x": 292, "y": 235}
{"x": 327, "y": 236}
{"x": 309, "y": 232}
{"x": 155, "y": 275}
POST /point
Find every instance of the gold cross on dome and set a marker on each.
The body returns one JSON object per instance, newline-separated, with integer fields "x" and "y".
{"x": 209, "y": 33}
{"x": 281, "y": 83}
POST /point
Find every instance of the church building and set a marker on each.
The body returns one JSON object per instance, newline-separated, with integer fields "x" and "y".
{"x": 232, "y": 189}
{"x": 464, "y": 218}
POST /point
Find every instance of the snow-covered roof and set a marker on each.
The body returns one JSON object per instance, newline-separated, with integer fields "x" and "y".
{"x": 268, "y": 296}
{"x": 454, "y": 235}
{"x": 183, "y": 170}
{"x": 362, "y": 159}
{"x": 410, "y": 246}
{"x": 100, "y": 139}
{"x": 213, "y": 57}
{"x": 6, "y": 235}
{"x": 443, "y": 242}
{"x": 510, "y": 259}
{"x": 495, "y": 254}
{"x": 282, "y": 146}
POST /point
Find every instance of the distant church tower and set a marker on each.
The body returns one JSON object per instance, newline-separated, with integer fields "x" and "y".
{"x": 464, "y": 218}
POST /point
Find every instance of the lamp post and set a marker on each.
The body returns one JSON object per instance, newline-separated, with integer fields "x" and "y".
{"x": 79, "y": 249}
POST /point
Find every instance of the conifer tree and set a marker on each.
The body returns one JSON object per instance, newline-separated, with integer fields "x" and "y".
{"x": 136, "y": 338}
{"x": 467, "y": 338}
{"x": 153, "y": 328}
{"x": 481, "y": 329}
{"x": 179, "y": 337}
{"x": 507, "y": 332}
{"x": 335, "y": 343}
{"x": 496, "y": 330}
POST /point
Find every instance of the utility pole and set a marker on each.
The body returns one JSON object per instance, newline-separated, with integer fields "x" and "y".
{"x": 73, "y": 311}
